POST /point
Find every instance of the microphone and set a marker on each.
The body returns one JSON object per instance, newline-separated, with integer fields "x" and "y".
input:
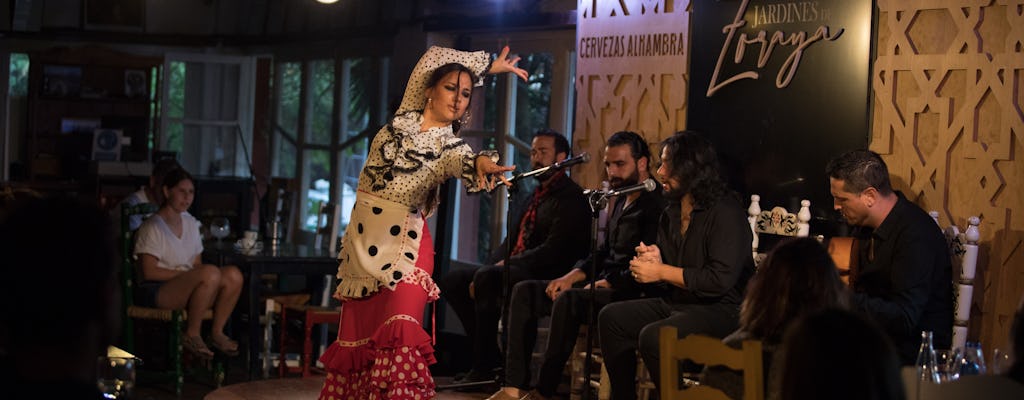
{"x": 647, "y": 185}
{"x": 582, "y": 158}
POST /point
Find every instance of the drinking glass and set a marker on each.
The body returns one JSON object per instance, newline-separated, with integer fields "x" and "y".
{"x": 220, "y": 228}
{"x": 1001, "y": 361}
{"x": 115, "y": 376}
{"x": 947, "y": 365}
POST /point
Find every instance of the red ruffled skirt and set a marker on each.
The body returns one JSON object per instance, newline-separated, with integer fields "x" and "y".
{"x": 382, "y": 351}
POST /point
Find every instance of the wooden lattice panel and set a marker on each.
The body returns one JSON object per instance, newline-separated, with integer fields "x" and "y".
{"x": 638, "y": 92}
{"x": 948, "y": 83}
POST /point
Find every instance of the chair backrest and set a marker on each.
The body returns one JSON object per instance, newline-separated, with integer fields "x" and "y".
{"x": 843, "y": 250}
{"x": 327, "y": 226}
{"x": 963, "y": 249}
{"x": 776, "y": 221}
{"x": 708, "y": 351}
{"x": 127, "y": 242}
{"x": 281, "y": 195}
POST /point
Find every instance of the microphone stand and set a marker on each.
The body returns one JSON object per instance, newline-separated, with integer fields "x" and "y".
{"x": 598, "y": 201}
{"x": 506, "y": 275}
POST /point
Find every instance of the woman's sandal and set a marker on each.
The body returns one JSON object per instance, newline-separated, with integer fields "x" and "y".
{"x": 196, "y": 346}
{"x": 225, "y": 345}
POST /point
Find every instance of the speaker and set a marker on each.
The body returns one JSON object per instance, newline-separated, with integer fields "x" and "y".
{"x": 106, "y": 144}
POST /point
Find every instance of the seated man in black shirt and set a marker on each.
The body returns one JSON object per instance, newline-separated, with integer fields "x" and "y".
{"x": 904, "y": 277}
{"x": 547, "y": 239}
{"x": 702, "y": 253}
{"x": 633, "y": 219}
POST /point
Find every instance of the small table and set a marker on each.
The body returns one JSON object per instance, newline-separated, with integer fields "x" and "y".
{"x": 285, "y": 258}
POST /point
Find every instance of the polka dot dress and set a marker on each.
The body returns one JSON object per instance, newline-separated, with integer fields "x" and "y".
{"x": 396, "y": 374}
{"x": 379, "y": 248}
{"x": 382, "y": 351}
{"x": 405, "y": 165}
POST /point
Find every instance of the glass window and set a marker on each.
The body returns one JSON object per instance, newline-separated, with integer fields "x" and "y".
{"x": 351, "y": 114}
{"x": 533, "y": 98}
{"x": 18, "y": 80}
{"x": 208, "y": 113}
{"x": 321, "y": 100}
{"x": 357, "y": 120}
{"x": 175, "y": 107}
{"x": 317, "y": 169}
{"x": 290, "y": 87}
{"x": 289, "y": 84}
{"x": 477, "y": 220}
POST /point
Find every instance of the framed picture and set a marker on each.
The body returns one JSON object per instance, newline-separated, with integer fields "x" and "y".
{"x": 134, "y": 83}
{"x": 115, "y": 15}
{"x": 62, "y": 81}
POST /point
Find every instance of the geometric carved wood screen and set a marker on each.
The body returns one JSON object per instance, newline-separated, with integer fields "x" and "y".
{"x": 948, "y": 87}
{"x": 631, "y": 88}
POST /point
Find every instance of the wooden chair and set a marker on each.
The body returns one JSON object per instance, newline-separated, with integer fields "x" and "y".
{"x": 963, "y": 249}
{"x": 708, "y": 351}
{"x": 776, "y": 221}
{"x": 843, "y": 251}
{"x": 311, "y": 316}
{"x": 173, "y": 318}
{"x": 598, "y": 379}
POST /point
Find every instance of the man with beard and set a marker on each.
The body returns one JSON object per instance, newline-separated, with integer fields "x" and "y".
{"x": 702, "y": 255}
{"x": 904, "y": 275}
{"x": 633, "y": 219}
{"x": 548, "y": 238}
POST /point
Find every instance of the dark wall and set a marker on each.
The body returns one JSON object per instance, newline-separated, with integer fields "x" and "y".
{"x": 775, "y": 141}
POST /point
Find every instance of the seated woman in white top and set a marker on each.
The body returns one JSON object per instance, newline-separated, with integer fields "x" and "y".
{"x": 168, "y": 247}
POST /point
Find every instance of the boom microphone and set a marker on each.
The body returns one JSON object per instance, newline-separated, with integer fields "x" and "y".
{"x": 582, "y": 158}
{"x": 647, "y": 185}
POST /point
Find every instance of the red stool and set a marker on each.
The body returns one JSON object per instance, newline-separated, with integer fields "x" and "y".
{"x": 312, "y": 315}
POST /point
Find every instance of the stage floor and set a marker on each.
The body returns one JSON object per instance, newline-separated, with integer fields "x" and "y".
{"x": 304, "y": 389}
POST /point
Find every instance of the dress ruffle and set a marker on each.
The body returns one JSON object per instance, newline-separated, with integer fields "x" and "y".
{"x": 392, "y": 364}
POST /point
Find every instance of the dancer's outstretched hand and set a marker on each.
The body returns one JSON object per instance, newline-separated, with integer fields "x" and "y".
{"x": 485, "y": 166}
{"x": 505, "y": 64}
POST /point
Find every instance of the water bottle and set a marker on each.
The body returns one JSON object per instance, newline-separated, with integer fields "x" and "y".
{"x": 974, "y": 361}
{"x": 926, "y": 364}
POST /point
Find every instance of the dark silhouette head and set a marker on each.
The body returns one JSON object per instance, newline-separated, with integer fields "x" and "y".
{"x": 839, "y": 355}
{"x": 796, "y": 279}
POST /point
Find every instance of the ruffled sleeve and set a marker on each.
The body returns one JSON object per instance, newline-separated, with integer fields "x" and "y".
{"x": 460, "y": 160}
{"x": 414, "y": 98}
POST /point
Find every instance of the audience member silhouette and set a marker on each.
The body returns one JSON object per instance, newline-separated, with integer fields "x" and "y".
{"x": 839, "y": 355}
{"x": 797, "y": 278}
{"x": 59, "y": 298}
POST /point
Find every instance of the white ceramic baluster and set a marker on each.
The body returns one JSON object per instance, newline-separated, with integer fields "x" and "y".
{"x": 804, "y": 216}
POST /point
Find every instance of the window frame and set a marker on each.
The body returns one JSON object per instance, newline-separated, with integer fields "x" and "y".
{"x": 560, "y": 44}
{"x": 246, "y": 105}
{"x": 339, "y": 125}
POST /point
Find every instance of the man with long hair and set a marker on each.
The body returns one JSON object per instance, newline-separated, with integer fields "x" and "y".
{"x": 702, "y": 255}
